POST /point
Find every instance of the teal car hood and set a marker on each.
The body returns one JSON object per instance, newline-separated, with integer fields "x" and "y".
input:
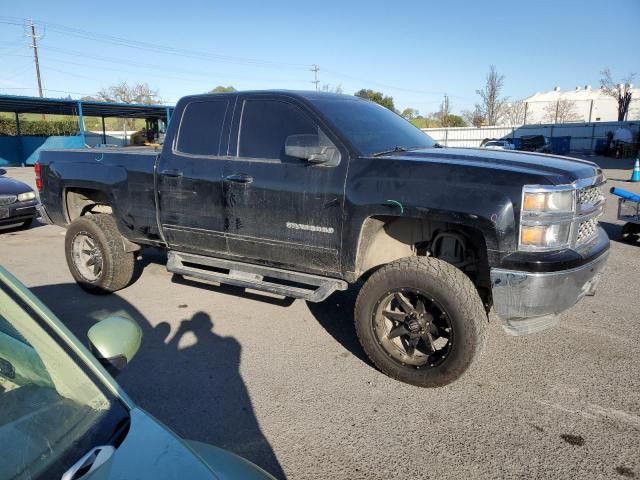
{"x": 151, "y": 451}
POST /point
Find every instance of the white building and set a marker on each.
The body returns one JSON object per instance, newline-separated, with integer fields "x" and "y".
{"x": 582, "y": 104}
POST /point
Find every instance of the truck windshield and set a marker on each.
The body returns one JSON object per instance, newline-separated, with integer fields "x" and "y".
{"x": 370, "y": 127}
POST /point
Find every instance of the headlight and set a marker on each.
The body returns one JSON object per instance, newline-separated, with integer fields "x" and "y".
{"x": 545, "y": 237}
{"x": 23, "y": 197}
{"x": 548, "y": 202}
{"x": 546, "y": 216}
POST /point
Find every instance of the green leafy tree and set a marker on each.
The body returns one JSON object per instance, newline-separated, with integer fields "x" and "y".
{"x": 223, "y": 89}
{"x": 378, "y": 97}
{"x": 456, "y": 120}
{"x": 410, "y": 114}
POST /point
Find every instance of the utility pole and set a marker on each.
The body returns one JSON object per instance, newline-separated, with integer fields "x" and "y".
{"x": 445, "y": 111}
{"x": 315, "y": 68}
{"x": 31, "y": 29}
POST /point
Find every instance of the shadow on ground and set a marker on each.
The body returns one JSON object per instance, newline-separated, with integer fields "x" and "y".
{"x": 189, "y": 380}
{"x": 615, "y": 234}
{"x": 13, "y": 230}
{"x": 335, "y": 315}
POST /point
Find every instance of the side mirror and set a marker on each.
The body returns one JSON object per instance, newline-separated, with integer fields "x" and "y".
{"x": 2, "y": 172}
{"x": 114, "y": 341}
{"x": 312, "y": 148}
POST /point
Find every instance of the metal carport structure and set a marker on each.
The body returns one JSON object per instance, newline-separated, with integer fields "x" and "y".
{"x": 23, "y": 151}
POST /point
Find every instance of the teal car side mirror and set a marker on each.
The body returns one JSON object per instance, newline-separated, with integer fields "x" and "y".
{"x": 114, "y": 341}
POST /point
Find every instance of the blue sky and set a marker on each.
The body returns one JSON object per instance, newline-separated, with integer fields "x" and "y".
{"x": 414, "y": 51}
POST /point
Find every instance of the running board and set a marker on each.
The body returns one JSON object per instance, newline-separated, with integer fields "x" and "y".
{"x": 311, "y": 288}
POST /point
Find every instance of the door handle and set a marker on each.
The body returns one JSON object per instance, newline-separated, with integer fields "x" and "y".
{"x": 172, "y": 172}
{"x": 239, "y": 178}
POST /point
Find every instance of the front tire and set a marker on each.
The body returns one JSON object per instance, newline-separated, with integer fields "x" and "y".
{"x": 421, "y": 321}
{"x": 96, "y": 256}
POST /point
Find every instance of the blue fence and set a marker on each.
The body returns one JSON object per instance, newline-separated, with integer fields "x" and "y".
{"x": 24, "y": 150}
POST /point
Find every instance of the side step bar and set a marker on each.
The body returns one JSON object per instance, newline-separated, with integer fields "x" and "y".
{"x": 312, "y": 288}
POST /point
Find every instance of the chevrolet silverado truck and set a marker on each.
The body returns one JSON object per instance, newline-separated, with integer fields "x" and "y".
{"x": 304, "y": 193}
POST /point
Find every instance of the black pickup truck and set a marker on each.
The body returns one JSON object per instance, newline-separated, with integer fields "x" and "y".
{"x": 304, "y": 193}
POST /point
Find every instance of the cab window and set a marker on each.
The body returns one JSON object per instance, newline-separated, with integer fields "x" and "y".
{"x": 200, "y": 129}
{"x": 265, "y": 126}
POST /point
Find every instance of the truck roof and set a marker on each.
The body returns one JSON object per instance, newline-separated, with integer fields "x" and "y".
{"x": 302, "y": 94}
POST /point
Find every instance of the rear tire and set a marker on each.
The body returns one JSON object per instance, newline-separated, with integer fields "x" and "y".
{"x": 96, "y": 256}
{"x": 421, "y": 321}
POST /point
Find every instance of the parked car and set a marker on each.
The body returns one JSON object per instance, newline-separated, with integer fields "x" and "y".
{"x": 499, "y": 145}
{"x": 535, "y": 143}
{"x": 63, "y": 416}
{"x": 18, "y": 203}
{"x": 303, "y": 193}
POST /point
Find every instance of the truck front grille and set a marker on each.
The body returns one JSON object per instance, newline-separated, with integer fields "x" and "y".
{"x": 589, "y": 200}
{"x": 587, "y": 231}
{"x": 7, "y": 199}
{"x": 588, "y": 197}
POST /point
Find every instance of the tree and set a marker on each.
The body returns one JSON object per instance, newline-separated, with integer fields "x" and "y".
{"x": 223, "y": 89}
{"x": 621, "y": 92}
{"x": 561, "y": 111}
{"x": 474, "y": 117}
{"x": 515, "y": 113}
{"x": 492, "y": 104}
{"x": 327, "y": 88}
{"x": 456, "y": 121}
{"x": 140, "y": 93}
{"x": 410, "y": 114}
{"x": 377, "y": 97}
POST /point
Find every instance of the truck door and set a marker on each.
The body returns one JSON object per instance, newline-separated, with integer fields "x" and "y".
{"x": 281, "y": 210}
{"x": 191, "y": 212}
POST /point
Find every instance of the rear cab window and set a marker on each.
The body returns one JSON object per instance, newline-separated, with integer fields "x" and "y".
{"x": 201, "y": 125}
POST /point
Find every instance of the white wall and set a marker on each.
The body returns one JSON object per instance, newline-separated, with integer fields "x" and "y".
{"x": 583, "y": 135}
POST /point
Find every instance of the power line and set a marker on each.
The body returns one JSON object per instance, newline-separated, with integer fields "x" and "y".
{"x": 79, "y": 33}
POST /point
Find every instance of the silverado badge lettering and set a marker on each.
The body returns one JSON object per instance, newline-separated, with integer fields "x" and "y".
{"x": 311, "y": 228}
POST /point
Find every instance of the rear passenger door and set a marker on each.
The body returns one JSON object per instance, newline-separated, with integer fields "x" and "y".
{"x": 281, "y": 210}
{"x": 190, "y": 178}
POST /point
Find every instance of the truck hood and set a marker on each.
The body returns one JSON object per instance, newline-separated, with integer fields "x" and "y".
{"x": 558, "y": 170}
{"x": 9, "y": 186}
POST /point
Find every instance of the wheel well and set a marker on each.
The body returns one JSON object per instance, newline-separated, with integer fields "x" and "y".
{"x": 80, "y": 201}
{"x": 385, "y": 239}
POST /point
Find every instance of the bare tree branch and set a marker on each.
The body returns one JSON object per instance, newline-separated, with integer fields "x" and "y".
{"x": 515, "y": 113}
{"x": 561, "y": 111}
{"x": 621, "y": 92}
{"x": 492, "y": 103}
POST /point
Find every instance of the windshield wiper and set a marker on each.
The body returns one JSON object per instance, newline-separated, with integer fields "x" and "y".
{"x": 387, "y": 152}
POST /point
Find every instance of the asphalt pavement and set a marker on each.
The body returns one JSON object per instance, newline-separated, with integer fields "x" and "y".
{"x": 285, "y": 383}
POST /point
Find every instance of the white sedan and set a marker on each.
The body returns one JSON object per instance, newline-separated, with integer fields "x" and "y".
{"x": 499, "y": 145}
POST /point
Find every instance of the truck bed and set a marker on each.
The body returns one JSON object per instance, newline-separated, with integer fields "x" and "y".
{"x": 125, "y": 174}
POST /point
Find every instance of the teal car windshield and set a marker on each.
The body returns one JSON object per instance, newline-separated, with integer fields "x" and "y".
{"x": 51, "y": 411}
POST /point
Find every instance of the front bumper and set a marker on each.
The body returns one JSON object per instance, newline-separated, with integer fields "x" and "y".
{"x": 528, "y": 302}
{"x": 17, "y": 212}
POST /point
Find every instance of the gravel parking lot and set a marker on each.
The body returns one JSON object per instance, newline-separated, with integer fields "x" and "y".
{"x": 286, "y": 384}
